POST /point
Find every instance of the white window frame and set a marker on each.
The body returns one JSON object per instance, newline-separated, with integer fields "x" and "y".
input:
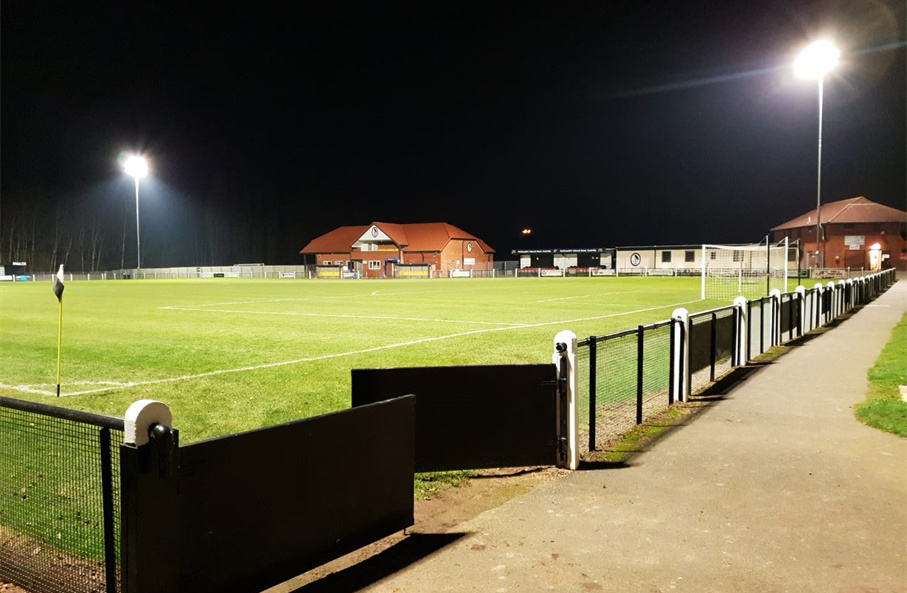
{"x": 374, "y": 264}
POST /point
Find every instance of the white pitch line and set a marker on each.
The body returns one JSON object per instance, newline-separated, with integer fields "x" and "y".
{"x": 338, "y": 315}
{"x": 582, "y": 296}
{"x": 363, "y": 351}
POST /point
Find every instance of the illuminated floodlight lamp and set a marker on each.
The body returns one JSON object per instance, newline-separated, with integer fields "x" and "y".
{"x": 816, "y": 60}
{"x": 135, "y": 166}
{"x": 527, "y": 231}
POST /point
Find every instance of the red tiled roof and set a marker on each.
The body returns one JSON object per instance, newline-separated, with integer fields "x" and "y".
{"x": 419, "y": 236}
{"x": 854, "y": 210}
{"x": 340, "y": 240}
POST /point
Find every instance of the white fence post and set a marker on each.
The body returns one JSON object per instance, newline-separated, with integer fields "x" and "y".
{"x": 681, "y": 360}
{"x": 565, "y": 349}
{"x": 775, "y": 296}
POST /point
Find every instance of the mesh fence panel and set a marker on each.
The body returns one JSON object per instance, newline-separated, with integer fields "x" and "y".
{"x": 724, "y": 341}
{"x": 51, "y": 502}
{"x": 614, "y": 408}
{"x": 699, "y": 336}
{"x": 583, "y": 362}
{"x": 656, "y": 369}
{"x": 709, "y": 360}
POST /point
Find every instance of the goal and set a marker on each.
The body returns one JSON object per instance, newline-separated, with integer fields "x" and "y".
{"x": 751, "y": 270}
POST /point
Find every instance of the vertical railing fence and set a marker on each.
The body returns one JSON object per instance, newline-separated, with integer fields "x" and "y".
{"x": 59, "y": 498}
{"x": 625, "y": 377}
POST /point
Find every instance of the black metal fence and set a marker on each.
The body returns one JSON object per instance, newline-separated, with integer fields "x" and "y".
{"x": 59, "y": 498}
{"x": 625, "y": 377}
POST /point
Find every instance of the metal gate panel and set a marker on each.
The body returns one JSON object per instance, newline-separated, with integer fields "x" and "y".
{"x": 473, "y": 417}
{"x": 248, "y": 511}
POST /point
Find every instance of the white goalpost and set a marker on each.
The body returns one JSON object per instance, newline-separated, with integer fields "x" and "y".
{"x": 751, "y": 270}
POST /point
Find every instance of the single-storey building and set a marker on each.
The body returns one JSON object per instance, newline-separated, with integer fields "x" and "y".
{"x": 386, "y": 250}
{"x": 858, "y": 233}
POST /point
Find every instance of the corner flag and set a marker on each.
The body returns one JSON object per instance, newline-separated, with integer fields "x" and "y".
{"x": 58, "y": 284}
{"x": 58, "y": 290}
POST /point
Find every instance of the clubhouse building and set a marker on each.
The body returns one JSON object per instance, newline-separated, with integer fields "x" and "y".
{"x": 858, "y": 234}
{"x": 387, "y": 250}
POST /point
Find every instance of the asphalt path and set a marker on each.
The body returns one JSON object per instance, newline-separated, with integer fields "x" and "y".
{"x": 774, "y": 487}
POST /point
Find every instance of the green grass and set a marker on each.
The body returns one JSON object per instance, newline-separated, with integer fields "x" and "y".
{"x": 232, "y": 355}
{"x": 883, "y": 408}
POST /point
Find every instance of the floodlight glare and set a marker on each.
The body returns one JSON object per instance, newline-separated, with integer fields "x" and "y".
{"x": 136, "y": 166}
{"x": 816, "y": 60}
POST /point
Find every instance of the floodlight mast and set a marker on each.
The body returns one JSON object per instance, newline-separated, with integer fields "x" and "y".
{"x": 136, "y": 167}
{"x": 815, "y": 61}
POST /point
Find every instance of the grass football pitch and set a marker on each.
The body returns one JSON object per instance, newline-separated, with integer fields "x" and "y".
{"x": 229, "y": 355}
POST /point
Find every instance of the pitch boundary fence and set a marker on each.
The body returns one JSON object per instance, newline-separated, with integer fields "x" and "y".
{"x": 626, "y": 377}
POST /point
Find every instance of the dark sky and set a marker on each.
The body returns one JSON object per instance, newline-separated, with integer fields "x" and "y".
{"x": 594, "y": 123}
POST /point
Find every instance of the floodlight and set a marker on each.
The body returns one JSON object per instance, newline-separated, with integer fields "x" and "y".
{"x": 816, "y": 60}
{"x": 136, "y": 166}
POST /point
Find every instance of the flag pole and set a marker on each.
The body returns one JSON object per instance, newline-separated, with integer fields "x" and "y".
{"x": 58, "y": 292}
{"x": 59, "y": 343}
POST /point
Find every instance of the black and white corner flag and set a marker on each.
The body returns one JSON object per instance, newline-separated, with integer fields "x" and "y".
{"x": 58, "y": 284}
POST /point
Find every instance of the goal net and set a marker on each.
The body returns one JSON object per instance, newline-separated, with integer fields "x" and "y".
{"x": 743, "y": 270}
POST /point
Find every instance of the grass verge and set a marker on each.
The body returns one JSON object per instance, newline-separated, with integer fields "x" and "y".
{"x": 883, "y": 408}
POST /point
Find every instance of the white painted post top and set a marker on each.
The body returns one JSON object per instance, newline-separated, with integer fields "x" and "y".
{"x": 139, "y": 418}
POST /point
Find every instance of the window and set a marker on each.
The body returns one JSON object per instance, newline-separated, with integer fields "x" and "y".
{"x": 666, "y": 256}
{"x": 374, "y": 264}
{"x": 326, "y": 263}
{"x": 738, "y": 255}
{"x": 689, "y": 256}
{"x": 713, "y": 255}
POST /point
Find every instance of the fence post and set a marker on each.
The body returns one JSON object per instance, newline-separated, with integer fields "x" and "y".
{"x": 801, "y": 306}
{"x": 672, "y": 376}
{"x": 593, "y": 372}
{"x": 565, "y": 354}
{"x": 640, "y": 354}
{"x": 819, "y": 289}
{"x": 742, "y": 335}
{"x": 775, "y": 298}
{"x": 149, "y": 559}
{"x": 833, "y": 305}
{"x": 681, "y": 362}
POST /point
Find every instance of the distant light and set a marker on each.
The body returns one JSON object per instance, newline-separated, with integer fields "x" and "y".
{"x": 875, "y": 247}
{"x": 816, "y": 60}
{"x": 527, "y": 231}
{"x": 135, "y": 166}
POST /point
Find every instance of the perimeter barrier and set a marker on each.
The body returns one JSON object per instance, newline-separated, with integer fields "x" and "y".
{"x": 627, "y": 377}
{"x": 59, "y": 498}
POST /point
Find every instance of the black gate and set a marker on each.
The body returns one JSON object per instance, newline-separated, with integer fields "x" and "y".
{"x": 473, "y": 417}
{"x": 248, "y": 511}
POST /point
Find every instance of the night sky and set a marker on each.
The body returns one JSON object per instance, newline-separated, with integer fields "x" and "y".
{"x": 593, "y": 123}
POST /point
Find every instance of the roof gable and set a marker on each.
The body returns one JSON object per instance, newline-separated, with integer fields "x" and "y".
{"x": 850, "y": 211}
